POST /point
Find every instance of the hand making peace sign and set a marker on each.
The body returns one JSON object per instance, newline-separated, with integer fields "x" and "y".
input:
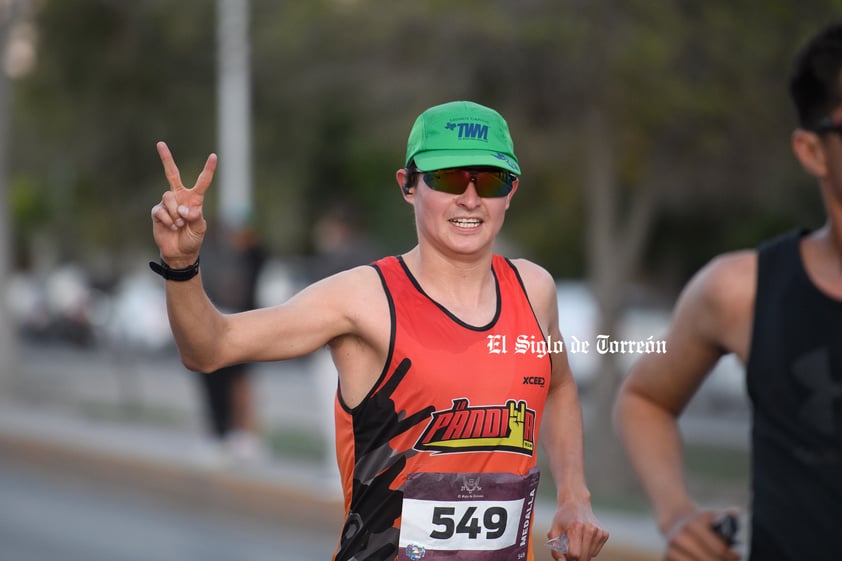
{"x": 178, "y": 224}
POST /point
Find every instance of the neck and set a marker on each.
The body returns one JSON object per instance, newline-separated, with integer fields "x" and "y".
{"x": 831, "y": 233}
{"x": 456, "y": 282}
{"x": 834, "y": 234}
{"x": 429, "y": 263}
{"x": 822, "y": 256}
{"x": 833, "y": 250}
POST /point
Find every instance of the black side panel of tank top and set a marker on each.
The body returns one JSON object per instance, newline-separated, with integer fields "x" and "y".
{"x": 794, "y": 378}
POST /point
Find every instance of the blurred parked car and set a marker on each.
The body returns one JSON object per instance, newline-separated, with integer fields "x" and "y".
{"x": 58, "y": 306}
{"x": 137, "y": 317}
{"x": 578, "y": 319}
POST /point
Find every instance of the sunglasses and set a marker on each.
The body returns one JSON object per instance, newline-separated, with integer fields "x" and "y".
{"x": 827, "y": 125}
{"x": 488, "y": 182}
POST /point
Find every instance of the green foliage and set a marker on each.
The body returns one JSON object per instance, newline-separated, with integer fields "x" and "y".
{"x": 109, "y": 79}
{"x": 27, "y": 204}
{"x": 695, "y": 93}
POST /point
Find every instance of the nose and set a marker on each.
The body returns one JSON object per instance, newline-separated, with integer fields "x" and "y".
{"x": 470, "y": 198}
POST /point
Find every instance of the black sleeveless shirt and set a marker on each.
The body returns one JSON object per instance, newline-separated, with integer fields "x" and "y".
{"x": 794, "y": 377}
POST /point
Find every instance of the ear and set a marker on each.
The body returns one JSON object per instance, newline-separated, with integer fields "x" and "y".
{"x": 810, "y": 151}
{"x": 511, "y": 194}
{"x": 402, "y": 177}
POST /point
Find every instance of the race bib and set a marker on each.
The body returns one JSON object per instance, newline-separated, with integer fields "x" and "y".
{"x": 467, "y": 516}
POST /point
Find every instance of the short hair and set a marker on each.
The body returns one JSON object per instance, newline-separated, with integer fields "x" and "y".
{"x": 815, "y": 85}
{"x": 412, "y": 175}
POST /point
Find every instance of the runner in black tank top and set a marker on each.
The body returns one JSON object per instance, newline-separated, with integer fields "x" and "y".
{"x": 794, "y": 379}
{"x": 778, "y": 309}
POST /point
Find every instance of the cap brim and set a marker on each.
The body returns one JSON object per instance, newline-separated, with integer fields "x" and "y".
{"x": 443, "y": 159}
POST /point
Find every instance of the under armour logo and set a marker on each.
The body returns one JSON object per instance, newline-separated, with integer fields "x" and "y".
{"x": 813, "y": 371}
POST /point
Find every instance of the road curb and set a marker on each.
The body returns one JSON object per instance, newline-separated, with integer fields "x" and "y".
{"x": 282, "y": 492}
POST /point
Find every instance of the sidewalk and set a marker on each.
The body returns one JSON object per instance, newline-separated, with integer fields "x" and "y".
{"x": 48, "y": 427}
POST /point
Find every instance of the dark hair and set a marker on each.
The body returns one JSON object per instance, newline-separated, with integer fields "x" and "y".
{"x": 412, "y": 174}
{"x": 815, "y": 84}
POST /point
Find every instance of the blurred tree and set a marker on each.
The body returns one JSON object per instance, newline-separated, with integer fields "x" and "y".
{"x": 685, "y": 109}
{"x": 336, "y": 83}
{"x": 652, "y": 135}
{"x": 112, "y": 78}
{"x": 11, "y": 16}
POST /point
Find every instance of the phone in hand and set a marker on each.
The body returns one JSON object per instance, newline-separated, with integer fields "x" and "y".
{"x": 558, "y": 543}
{"x": 726, "y": 527}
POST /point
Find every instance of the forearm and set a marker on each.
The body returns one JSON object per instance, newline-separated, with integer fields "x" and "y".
{"x": 652, "y": 440}
{"x": 563, "y": 443}
{"x": 574, "y": 517}
{"x": 196, "y": 324}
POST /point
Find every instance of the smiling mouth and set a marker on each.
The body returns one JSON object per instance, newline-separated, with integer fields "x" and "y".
{"x": 466, "y": 222}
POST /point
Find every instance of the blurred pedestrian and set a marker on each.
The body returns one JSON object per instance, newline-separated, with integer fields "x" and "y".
{"x": 778, "y": 308}
{"x": 437, "y": 415}
{"x": 340, "y": 242}
{"x": 232, "y": 260}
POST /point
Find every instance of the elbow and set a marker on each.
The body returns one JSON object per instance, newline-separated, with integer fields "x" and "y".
{"x": 198, "y": 363}
{"x": 192, "y": 364}
{"x": 201, "y": 354}
{"x": 638, "y": 409}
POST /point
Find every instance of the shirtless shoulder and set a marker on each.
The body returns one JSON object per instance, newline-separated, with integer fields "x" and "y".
{"x": 364, "y": 297}
{"x": 361, "y": 353}
{"x": 720, "y": 298}
{"x": 541, "y": 290}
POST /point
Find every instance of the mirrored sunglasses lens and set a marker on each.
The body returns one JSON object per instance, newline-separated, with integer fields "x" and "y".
{"x": 451, "y": 181}
{"x": 493, "y": 184}
{"x": 456, "y": 181}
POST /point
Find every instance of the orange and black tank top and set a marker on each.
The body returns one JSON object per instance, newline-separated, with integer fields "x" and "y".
{"x": 439, "y": 460}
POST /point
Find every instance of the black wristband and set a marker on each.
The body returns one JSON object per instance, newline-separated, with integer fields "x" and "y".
{"x": 180, "y": 275}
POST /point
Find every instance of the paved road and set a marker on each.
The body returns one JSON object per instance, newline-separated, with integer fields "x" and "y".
{"x": 49, "y": 516}
{"x": 58, "y": 389}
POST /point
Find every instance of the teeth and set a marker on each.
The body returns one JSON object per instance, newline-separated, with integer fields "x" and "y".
{"x": 466, "y": 222}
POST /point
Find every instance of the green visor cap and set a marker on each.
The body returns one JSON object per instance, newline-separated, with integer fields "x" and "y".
{"x": 461, "y": 134}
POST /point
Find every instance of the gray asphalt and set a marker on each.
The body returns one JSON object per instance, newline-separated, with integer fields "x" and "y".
{"x": 106, "y": 436}
{"x": 50, "y": 515}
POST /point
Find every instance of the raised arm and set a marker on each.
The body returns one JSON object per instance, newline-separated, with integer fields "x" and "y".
{"x": 208, "y": 339}
{"x": 178, "y": 225}
{"x": 712, "y": 317}
{"x": 562, "y": 431}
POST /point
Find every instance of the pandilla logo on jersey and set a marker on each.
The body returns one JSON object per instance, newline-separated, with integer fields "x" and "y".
{"x": 462, "y": 428}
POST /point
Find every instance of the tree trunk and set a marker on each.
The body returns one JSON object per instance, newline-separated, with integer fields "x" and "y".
{"x": 8, "y": 334}
{"x": 615, "y": 247}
